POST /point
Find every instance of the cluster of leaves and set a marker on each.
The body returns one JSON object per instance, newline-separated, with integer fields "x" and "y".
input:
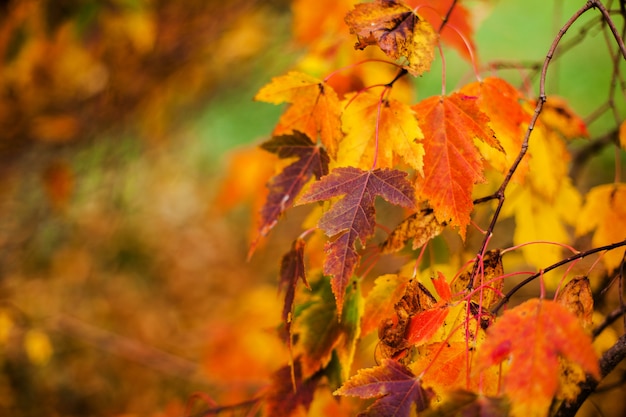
{"x": 350, "y": 136}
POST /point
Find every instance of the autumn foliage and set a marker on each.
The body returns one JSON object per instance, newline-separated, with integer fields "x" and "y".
{"x": 422, "y": 217}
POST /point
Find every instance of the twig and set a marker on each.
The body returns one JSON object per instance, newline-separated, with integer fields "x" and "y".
{"x": 531, "y": 126}
{"x": 608, "y": 362}
{"x": 579, "y": 255}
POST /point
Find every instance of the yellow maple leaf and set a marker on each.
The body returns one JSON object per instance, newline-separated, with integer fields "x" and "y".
{"x": 381, "y": 131}
{"x": 548, "y": 163}
{"x": 604, "y": 213}
{"x": 540, "y": 219}
{"x": 560, "y": 117}
{"x": 314, "y": 107}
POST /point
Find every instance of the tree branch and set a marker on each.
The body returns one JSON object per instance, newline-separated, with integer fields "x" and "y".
{"x": 531, "y": 126}
{"x": 579, "y": 255}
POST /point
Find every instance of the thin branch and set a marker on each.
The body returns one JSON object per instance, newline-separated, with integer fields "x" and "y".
{"x": 531, "y": 126}
{"x": 579, "y": 255}
{"x": 608, "y": 362}
{"x": 607, "y": 17}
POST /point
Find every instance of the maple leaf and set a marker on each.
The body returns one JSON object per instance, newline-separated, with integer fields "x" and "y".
{"x": 548, "y": 163}
{"x": 458, "y": 28}
{"x": 291, "y": 271}
{"x": 285, "y": 186}
{"x": 320, "y": 333}
{"x": 393, "y": 332}
{"x": 559, "y": 117}
{"x": 285, "y": 401}
{"x": 489, "y": 289}
{"x": 314, "y": 107}
{"x": 604, "y": 213}
{"x": 395, "y": 386}
{"x": 577, "y": 297}
{"x": 381, "y": 131}
{"x": 397, "y": 30}
{"x": 424, "y": 325}
{"x": 539, "y": 219}
{"x": 379, "y": 303}
{"x": 533, "y": 335}
{"x": 352, "y": 217}
{"x": 421, "y": 226}
{"x": 453, "y": 163}
{"x": 502, "y": 103}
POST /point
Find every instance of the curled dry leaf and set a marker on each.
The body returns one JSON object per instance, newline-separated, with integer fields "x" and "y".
{"x": 397, "y": 30}
{"x": 421, "y": 227}
{"x": 488, "y": 288}
{"x": 392, "y": 331}
{"x": 577, "y": 297}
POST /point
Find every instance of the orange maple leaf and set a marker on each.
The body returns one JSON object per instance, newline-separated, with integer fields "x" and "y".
{"x": 397, "y": 30}
{"x": 502, "y": 103}
{"x": 314, "y": 109}
{"x": 533, "y": 335}
{"x": 453, "y": 164}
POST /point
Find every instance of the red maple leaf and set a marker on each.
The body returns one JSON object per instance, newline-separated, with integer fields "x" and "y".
{"x": 396, "y": 386}
{"x": 291, "y": 271}
{"x": 286, "y": 398}
{"x": 285, "y": 186}
{"x": 353, "y": 216}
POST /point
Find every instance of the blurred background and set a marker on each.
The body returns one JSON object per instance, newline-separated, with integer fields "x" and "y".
{"x": 124, "y": 286}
